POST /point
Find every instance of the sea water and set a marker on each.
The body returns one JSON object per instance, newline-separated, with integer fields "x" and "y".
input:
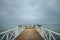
{"x": 52, "y": 27}
{"x": 6, "y": 27}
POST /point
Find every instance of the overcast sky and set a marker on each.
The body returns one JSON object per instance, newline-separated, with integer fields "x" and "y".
{"x": 29, "y": 11}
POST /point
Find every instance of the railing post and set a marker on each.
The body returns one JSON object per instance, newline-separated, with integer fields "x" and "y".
{"x": 16, "y": 32}
{"x": 49, "y": 35}
{"x": 7, "y": 36}
{"x": 53, "y": 37}
{"x": 19, "y": 30}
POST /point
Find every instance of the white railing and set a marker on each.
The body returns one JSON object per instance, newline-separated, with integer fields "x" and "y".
{"x": 11, "y": 34}
{"x": 48, "y": 34}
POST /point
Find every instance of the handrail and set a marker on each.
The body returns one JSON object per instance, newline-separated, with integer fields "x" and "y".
{"x": 43, "y": 31}
{"x": 50, "y": 31}
{"x": 47, "y": 34}
{"x": 16, "y": 31}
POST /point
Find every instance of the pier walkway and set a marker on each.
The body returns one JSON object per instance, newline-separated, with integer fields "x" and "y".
{"x": 30, "y": 33}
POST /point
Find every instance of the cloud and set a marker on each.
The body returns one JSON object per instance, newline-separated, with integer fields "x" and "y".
{"x": 46, "y": 11}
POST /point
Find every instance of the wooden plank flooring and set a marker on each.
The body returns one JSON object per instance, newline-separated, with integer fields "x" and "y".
{"x": 29, "y": 34}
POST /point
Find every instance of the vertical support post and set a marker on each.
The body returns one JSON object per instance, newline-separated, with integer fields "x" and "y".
{"x": 53, "y": 36}
{"x": 49, "y": 35}
{"x": 16, "y": 32}
{"x": 7, "y": 36}
{"x": 19, "y": 30}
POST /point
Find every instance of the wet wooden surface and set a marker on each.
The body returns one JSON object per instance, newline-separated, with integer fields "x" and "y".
{"x": 29, "y": 33}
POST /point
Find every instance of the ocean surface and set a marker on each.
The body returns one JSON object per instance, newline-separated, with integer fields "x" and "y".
{"x": 6, "y": 27}
{"x": 53, "y": 27}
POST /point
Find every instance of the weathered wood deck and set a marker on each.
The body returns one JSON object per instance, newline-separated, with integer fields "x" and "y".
{"x": 29, "y": 33}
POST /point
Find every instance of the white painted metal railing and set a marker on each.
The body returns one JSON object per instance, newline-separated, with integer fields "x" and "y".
{"x": 11, "y": 34}
{"x": 48, "y": 34}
